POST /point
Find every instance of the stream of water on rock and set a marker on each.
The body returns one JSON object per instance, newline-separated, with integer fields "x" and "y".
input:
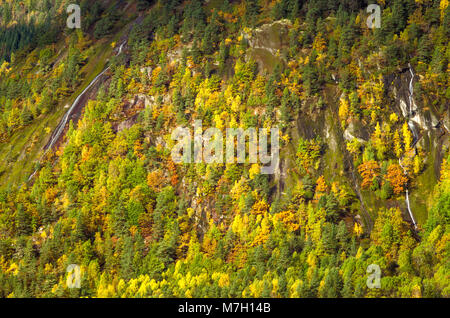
{"x": 62, "y": 124}
{"x": 415, "y": 139}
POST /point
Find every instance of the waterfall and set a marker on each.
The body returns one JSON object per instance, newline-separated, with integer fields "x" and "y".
{"x": 120, "y": 48}
{"x": 62, "y": 124}
{"x": 32, "y": 175}
{"x": 408, "y": 206}
{"x": 411, "y": 89}
{"x": 415, "y": 140}
{"x": 415, "y": 135}
{"x": 412, "y": 104}
{"x": 409, "y": 209}
{"x": 65, "y": 119}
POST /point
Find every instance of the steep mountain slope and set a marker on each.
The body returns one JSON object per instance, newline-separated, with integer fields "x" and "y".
{"x": 88, "y": 178}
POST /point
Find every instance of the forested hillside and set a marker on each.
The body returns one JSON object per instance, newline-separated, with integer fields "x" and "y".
{"x": 87, "y": 176}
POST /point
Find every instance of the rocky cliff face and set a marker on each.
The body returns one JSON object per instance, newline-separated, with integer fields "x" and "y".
{"x": 430, "y": 129}
{"x": 267, "y": 46}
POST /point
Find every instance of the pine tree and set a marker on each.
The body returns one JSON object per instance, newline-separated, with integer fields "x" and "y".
{"x": 126, "y": 262}
{"x": 23, "y": 221}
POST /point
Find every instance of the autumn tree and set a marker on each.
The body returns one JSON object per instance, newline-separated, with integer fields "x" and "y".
{"x": 396, "y": 178}
{"x": 369, "y": 171}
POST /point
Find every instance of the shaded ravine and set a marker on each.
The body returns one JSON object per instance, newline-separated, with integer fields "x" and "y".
{"x": 350, "y": 169}
{"x": 349, "y": 166}
{"x": 367, "y": 218}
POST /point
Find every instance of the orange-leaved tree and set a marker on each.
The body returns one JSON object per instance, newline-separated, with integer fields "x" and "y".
{"x": 369, "y": 170}
{"x": 397, "y": 178}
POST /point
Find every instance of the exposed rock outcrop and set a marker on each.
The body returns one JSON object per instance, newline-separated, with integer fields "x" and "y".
{"x": 269, "y": 44}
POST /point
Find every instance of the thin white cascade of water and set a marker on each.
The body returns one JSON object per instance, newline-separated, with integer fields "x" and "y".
{"x": 413, "y": 130}
{"x": 120, "y": 48}
{"x": 412, "y": 106}
{"x": 32, "y": 175}
{"x": 408, "y": 206}
{"x": 411, "y": 89}
{"x": 409, "y": 209}
{"x": 62, "y": 124}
